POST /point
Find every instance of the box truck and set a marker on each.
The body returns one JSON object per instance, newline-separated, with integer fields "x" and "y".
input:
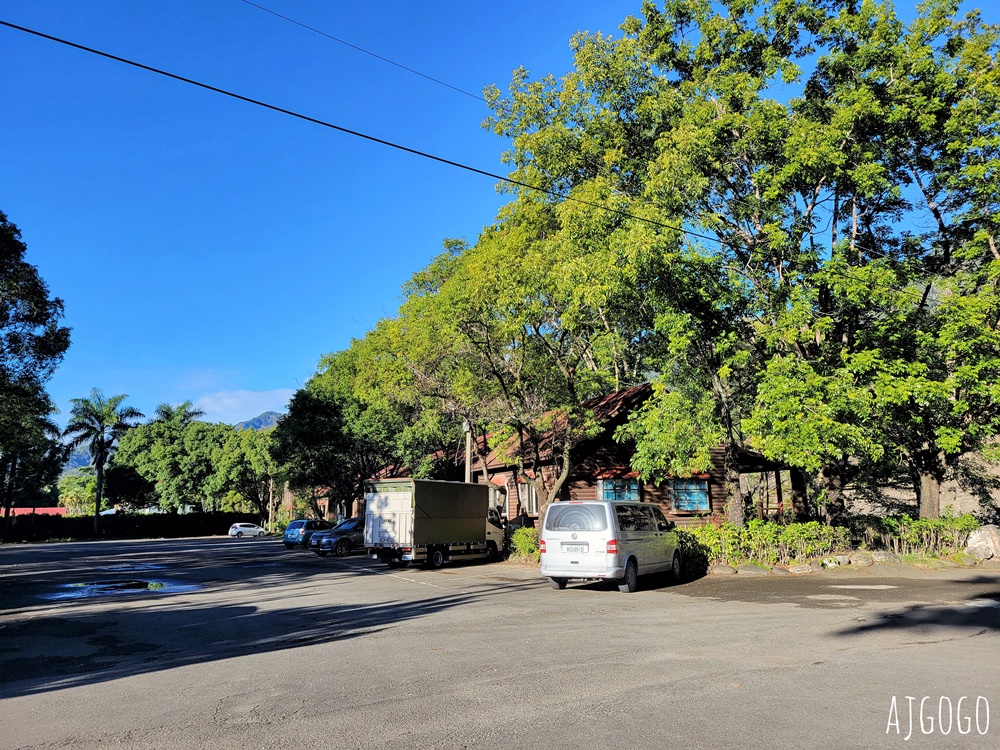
{"x": 429, "y": 521}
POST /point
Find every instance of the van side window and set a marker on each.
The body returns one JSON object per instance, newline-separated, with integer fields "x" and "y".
{"x": 629, "y": 518}
{"x": 646, "y": 521}
{"x": 662, "y": 523}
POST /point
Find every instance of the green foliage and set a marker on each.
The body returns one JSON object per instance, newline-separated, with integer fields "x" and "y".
{"x": 32, "y": 343}
{"x": 177, "y": 455}
{"x": 769, "y": 543}
{"x": 915, "y": 536}
{"x": 524, "y": 543}
{"x": 78, "y": 492}
{"x": 99, "y": 423}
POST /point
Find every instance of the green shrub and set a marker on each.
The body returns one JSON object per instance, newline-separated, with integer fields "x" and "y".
{"x": 914, "y": 536}
{"x": 768, "y": 543}
{"x": 524, "y": 543}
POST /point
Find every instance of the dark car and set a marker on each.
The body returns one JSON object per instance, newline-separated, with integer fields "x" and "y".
{"x": 298, "y": 533}
{"x": 343, "y": 538}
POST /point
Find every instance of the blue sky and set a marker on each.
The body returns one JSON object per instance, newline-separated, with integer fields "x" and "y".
{"x": 210, "y": 250}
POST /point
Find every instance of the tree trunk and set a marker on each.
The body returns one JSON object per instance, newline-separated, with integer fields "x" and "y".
{"x": 735, "y": 505}
{"x": 799, "y": 506}
{"x": 779, "y": 496}
{"x": 833, "y": 482}
{"x": 97, "y": 499}
{"x": 929, "y": 497}
{"x": 7, "y": 493}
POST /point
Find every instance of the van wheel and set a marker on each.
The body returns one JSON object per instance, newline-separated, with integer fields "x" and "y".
{"x": 630, "y": 581}
{"x": 675, "y": 567}
{"x": 557, "y": 583}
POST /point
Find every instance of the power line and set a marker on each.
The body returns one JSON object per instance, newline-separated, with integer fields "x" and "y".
{"x": 373, "y": 139}
{"x": 357, "y": 134}
{"x": 367, "y": 52}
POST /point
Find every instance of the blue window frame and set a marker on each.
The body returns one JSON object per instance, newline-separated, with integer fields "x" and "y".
{"x": 690, "y": 495}
{"x": 620, "y": 489}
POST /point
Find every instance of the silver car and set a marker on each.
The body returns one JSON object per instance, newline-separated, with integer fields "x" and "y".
{"x": 607, "y": 540}
{"x": 246, "y": 529}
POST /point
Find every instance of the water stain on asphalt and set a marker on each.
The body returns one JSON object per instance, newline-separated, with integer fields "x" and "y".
{"x": 117, "y": 587}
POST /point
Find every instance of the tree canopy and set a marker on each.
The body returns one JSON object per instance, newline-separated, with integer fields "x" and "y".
{"x": 783, "y": 212}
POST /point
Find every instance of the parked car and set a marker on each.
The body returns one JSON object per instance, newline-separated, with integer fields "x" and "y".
{"x": 246, "y": 529}
{"x": 298, "y": 533}
{"x": 607, "y": 540}
{"x": 341, "y": 540}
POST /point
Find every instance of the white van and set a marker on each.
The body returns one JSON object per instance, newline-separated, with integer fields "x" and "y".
{"x": 605, "y": 539}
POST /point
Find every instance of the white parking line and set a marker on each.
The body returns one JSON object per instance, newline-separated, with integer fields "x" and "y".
{"x": 873, "y": 587}
{"x": 396, "y": 575}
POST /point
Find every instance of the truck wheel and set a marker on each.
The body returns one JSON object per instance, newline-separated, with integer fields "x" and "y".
{"x": 630, "y": 582}
{"x": 675, "y": 567}
{"x": 557, "y": 583}
{"x": 435, "y": 558}
{"x": 491, "y": 551}
{"x": 397, "y": 563}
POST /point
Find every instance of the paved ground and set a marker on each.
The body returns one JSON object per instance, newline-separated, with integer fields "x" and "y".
{"x": 241, "y": 643}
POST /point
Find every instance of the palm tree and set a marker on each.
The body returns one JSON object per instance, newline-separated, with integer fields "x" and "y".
{"x": 182, "y": 415}
{"x": 99, "y": 422}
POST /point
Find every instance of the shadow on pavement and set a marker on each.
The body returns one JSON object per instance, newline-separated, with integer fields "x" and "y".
{"x": 75, "y": 647}
{"x": 980, "y": 614}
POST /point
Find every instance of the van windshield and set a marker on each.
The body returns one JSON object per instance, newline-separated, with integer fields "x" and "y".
{"x": 573, "y": 517}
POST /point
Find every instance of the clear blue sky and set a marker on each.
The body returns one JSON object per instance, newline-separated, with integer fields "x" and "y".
{"x": 212, "y": 251}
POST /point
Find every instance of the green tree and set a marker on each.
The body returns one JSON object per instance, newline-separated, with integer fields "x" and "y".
{"x": 99, "y": 423}
{"x": 801, "y": 298}
{"x": 175, "y": 452}
{"x": 245, "y": 466}
{"x": 32, "y": 452}
{"x": 78, "y": 492}
{"x": 32, "y": 343}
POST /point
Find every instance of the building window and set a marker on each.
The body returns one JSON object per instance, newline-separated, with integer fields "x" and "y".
{"x": 619, "y": 489}
{"x": 690, "y": 495}
{"x": 527, "y": 497}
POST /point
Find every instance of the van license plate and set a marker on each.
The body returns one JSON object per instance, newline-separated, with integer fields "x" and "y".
{"x": 572, "y": 549}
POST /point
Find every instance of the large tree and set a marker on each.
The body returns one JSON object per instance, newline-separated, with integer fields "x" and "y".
{"x": 99, "y": 423}
{"x": 177, "y": 453}
{"x": 32, "y": 343}
{"x": 788, "y": 156}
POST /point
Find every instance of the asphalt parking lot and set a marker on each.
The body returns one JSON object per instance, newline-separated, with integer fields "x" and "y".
{"x": 241, "y": 643}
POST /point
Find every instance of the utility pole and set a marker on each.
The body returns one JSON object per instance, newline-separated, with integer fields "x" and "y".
{"x": 468, "y": 450}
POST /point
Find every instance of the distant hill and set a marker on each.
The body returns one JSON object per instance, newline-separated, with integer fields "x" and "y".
{"x": 79, "y": 458}
{"x": 260, "y": 422}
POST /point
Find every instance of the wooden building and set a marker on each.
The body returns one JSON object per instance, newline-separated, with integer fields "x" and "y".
{"x": 601, "y": 469}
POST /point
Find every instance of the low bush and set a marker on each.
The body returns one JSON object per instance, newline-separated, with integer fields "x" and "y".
{"x": 524, "y": 543}
{"x": 770, "y": 543}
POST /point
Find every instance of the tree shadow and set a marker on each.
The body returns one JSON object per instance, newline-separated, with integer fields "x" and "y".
{"x": 980, "y": 614}
{"x": 74, "y": 647}
{"x": 47, "y": 643}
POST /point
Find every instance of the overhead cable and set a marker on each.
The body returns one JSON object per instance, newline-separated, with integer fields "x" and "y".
{"x": 367, "y": 52}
